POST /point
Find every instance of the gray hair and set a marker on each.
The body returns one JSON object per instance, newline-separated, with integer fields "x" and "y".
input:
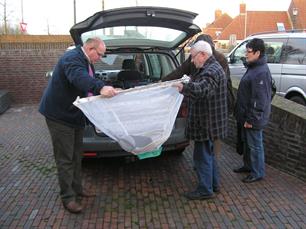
{"x": 202, "y": 46}
{"x": 95, "y": 41}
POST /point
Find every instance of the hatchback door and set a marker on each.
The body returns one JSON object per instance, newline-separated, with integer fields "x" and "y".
{"x": 138, "y": 27}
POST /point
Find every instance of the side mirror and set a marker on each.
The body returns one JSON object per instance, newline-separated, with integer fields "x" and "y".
{"x": 228, "y": 59}
{"x": 49, "y": 74}
{"x": 231, "y": 59}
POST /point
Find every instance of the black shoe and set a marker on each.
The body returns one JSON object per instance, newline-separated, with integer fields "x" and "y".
{"x": 217, "y": 190}
{"x": 86, "y": 193}
{"x": 196, "y": 195}
{"x": 251, "y": 179}
{"x": 242, "y": 170}
{"x": 73, "y": 207}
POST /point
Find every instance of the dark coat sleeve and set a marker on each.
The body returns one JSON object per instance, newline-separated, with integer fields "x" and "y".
{"x": 76, "y": 71}
{"x": 185, "y": 68}
{"x": 205, "y": 88}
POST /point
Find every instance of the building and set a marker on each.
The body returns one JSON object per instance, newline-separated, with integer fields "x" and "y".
{"x": 228, "y": 32}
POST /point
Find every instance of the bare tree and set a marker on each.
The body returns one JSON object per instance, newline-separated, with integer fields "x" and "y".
{"x": 6, "y": 27}
{"x": 4, "y": 16}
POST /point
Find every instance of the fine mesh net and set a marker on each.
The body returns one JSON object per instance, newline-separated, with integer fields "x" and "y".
{"x": 140, "y": 119}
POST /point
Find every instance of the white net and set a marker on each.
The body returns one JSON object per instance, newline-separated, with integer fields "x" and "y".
{"x": 140, "y": 119}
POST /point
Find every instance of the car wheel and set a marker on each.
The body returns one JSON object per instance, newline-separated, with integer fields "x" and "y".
{"x": 299, "y": 100}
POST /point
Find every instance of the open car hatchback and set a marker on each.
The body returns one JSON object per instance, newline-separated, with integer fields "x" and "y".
{"x": 143, "y": 46}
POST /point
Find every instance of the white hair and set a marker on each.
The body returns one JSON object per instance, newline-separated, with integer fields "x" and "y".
{"x": 202, "y": 46}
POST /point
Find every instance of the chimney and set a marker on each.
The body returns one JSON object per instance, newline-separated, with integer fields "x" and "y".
{"x": 218, "y": 14}
{"x": 242, "y": 8}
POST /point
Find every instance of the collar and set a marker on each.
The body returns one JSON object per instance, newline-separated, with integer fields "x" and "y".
{"x": 208, "y": 61}
{"x": 260, "y": 61}
{"x": 87, "y": 57}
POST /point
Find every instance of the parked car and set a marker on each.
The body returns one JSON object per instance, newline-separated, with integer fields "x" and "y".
{"x": 142, "y": 47}
{"x": 286, "y": 54}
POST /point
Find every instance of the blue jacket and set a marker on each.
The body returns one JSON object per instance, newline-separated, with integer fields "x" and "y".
{"x": 70, "y": 79}
{"x": 254, "y": 95}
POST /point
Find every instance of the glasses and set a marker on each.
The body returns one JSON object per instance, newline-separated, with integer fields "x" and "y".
{"x": 99, "y": 54}
{"x": 194, "y": 56}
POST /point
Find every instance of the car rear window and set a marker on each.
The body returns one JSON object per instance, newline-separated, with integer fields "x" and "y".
{"x": 152, "y": 66}
{"x": 137, "y": 36}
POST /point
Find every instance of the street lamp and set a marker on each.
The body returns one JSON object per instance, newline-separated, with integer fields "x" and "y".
{"x": 74, "y": 12}
{"x": 23, "y": 25}
{"x": 295, "y": 12}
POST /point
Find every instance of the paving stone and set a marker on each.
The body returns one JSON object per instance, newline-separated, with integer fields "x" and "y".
{"x": 133, "y": 193}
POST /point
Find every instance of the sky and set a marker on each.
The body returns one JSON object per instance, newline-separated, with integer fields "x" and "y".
{"x": 57, "y": 17}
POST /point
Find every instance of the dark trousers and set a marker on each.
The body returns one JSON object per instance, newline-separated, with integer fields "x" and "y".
{"x": 67, "y": 143}
{"x": 206, "y": 167}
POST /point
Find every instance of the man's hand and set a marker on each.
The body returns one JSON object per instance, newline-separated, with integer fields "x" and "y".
{"x": 247, "y": 125}
{"x": 179, "y": 86}
{"x": 108, "y": 91}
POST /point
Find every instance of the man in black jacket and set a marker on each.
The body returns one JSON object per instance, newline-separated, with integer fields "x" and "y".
{"x": 253, "y": 109}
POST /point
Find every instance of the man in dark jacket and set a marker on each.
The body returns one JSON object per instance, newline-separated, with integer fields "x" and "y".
{"x": 72, "y": 77}
{"x": 207, "y": 117}
{"x": 188, "y": 68}
{"x": 253, "y": 109}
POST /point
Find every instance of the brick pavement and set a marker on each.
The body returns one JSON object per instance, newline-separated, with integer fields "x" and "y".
{"x": 133, "y": 193}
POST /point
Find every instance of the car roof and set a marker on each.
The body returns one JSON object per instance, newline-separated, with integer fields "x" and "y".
{"x": 159, "y": 20}
{"x": 279, "y": 35}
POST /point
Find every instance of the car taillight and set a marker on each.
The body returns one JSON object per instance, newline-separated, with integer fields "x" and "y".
{"x": 89, "y": 154}
{"x": 183, "y": 111}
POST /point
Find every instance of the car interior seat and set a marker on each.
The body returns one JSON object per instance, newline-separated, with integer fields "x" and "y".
{"x": 129, "y": 75}
{"x": 270, "y": 54}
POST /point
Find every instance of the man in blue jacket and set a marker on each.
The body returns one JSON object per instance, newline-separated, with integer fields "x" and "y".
{"x": 253, "y": 109}
{"x": 72, "y": 77}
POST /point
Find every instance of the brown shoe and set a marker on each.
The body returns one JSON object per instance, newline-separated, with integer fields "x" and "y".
{"x": 86, "y": 193}
{"x": 73, "y": 207}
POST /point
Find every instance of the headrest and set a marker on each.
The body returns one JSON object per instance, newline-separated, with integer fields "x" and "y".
{"x": 129, "y": 64}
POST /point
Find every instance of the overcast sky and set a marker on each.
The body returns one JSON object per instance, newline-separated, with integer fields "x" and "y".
{"x": 56, "y": 16}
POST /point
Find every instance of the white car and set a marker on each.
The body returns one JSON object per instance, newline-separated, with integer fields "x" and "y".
{"x": 286, "y": 55}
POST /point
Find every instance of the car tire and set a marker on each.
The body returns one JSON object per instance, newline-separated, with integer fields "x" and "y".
{"x": 299, "y": 100}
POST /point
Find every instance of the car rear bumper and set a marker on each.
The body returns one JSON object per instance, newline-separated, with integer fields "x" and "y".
{"x": 103, "y": 146}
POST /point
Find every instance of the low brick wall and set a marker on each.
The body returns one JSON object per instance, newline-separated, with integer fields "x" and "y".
{"x": 284, "y": 137}
{"x": 24, "y": 61}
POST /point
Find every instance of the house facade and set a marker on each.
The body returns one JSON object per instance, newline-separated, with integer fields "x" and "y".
{"x": 227, "y": 32}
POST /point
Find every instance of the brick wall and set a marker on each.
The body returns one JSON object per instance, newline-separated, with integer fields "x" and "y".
{"x": 284, "y": 137}
{"x": 24, "y": 61}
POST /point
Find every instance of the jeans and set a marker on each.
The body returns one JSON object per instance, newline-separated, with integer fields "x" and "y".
{"x": 206, "y": 167}
{"x": 67, "y": 143}
{"x": 254, "y": 155}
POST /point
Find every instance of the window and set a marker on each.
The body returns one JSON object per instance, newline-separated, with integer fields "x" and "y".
{"x": 160, "y": 65}
{"x": 238, "y": 56}
{"x": 295, "y": 51}
{"x": 274, "y": 49}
